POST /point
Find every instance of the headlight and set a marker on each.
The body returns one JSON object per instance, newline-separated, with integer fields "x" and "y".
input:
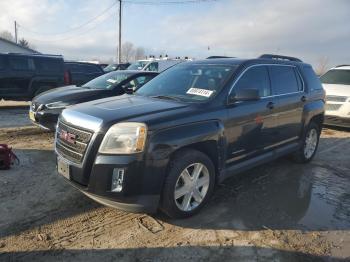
{"x": 124, "y": 138}
{"x": 56, "y": 105}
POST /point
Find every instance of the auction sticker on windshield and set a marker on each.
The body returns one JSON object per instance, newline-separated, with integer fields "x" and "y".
{"x": 199, "y": 92}
{"x": 112, "y": 81}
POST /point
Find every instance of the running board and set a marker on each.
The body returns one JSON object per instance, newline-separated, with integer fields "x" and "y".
{"x": 258, "y": 160}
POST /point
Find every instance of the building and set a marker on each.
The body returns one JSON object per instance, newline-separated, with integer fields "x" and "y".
{"x": 7, "y": 46}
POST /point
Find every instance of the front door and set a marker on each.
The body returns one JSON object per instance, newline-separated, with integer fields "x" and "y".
{"x": 251, "y": 124}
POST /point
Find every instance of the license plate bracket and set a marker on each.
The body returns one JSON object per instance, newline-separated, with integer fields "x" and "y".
{"x": 63, "y": 168}
{"x": 32, "y": 115}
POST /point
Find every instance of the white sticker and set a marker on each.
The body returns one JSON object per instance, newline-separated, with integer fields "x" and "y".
{"x": 112, "y": 81}
{"x": 199, "y": 92}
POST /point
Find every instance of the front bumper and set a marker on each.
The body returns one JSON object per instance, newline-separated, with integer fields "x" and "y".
{"x": 139, "y": 194}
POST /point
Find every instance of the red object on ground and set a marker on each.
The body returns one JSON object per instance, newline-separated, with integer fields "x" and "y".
{"x": 7, "y": 157}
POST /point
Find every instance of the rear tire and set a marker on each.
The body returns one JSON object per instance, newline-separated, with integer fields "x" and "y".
{"x": 189, "y": 184}
{"x": 309, "y": 146}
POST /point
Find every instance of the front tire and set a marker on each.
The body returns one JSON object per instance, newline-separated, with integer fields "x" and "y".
{"x": 309, "y": 145}
{"x": 189, "y": 184}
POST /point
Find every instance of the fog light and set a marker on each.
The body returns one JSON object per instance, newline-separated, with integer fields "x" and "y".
{"x": 117, "y": 180}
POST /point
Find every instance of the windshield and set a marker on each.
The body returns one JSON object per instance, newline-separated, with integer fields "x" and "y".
{"x": 138, "y": 65}
{"x": 107, "y": 81}
{"x": 192, "y": 83}
{"x": 110, "y": 68}
{"x": 336, "y": 76}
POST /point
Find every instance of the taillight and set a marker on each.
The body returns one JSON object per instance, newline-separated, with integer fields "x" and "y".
{"x": 66, "y": 77}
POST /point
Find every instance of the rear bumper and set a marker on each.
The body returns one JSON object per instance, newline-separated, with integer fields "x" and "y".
{"x": 337, "y": 121}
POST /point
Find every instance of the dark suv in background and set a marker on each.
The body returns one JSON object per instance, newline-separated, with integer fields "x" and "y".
{"x": 186, "y": 130}
{"x": 24, "y": 76}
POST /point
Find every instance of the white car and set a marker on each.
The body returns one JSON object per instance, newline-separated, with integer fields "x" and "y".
{"x": 336, "y": 82}
{"x": 154, "y": 65}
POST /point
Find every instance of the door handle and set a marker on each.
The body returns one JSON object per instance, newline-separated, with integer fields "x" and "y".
{"x": 270, "y": 105}
{"x": 303, "y": 99}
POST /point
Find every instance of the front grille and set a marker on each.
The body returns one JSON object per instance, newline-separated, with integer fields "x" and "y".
{"x": 72, "y": 149}
{"x": 333, "y": 107}
{"x": 336, "y": 98}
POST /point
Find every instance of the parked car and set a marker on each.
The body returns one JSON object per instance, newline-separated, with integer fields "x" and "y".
{"x": 336, "y": 82}
{"x": 79, "y": 73}
{"x": 46, "y": 107}
{"x": 115, "y": 67}
{"x": 188, "y": 129}
{"x": 23, "y": 76}
{"x": 154, "y": 65}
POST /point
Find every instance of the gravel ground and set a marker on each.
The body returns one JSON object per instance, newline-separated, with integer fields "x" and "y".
{"x": 281, "y": 211}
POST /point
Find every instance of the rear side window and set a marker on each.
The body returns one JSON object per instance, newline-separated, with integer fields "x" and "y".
{"x": 256, "y": 77}
{"x": 91, "y": 69}
{"x": 19, "y": 63}
{"x": 48, "y": 65}
{"x": 312, "y": 81}
{"x": 153, "y": 67}
{"x": 283, "y": 80}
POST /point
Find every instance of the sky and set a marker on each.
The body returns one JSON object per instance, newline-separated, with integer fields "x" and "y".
{"x": 312, "y": 30}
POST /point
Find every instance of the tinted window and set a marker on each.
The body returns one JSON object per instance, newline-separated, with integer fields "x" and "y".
{"x": 256, "y": 77}
{"x": 91, "y": 69}
{"x": 48, "y": 65}
{"x": 2, "y": 62}
{"x": 283, "y": 80}
{"x": 313, "y": 82}
{"x": 336, "y": 76}
{"x": 19, "y": 63}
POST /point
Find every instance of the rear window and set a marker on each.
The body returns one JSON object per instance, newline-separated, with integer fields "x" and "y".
{"x": 312, "y": 81}
{"x": 19, "y": 63}
{"x": 336, "y": 76}
{"x": 48, "y": 65}
{"x": 283, "y": 80}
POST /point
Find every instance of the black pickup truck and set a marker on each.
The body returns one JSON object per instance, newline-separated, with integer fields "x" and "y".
{"x": 191, "y": 127}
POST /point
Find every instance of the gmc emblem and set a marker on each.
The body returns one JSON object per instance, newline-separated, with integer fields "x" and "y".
{"x": 69, "y": 137}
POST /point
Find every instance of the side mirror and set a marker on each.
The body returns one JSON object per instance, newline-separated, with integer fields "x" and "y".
{"x": 245, "y": 94}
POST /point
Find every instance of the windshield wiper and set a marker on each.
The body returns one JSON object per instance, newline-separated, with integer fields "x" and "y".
{"x": 167, "y": 97}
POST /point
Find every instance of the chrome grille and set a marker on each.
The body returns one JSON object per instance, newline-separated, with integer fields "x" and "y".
{"x": 333, "y": 107}
{"x": 336, "y": 98}
{"x": 72, "y": 150}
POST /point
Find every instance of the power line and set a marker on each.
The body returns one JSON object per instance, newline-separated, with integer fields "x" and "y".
{"x": 75, "y": 28}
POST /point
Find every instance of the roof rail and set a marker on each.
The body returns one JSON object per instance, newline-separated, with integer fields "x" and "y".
{"x": 280, "y": 57}
{"x": 341, "y": 66}
{"x": 218, "y": 56}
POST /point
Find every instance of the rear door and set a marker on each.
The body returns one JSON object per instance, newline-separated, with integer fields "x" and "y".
{"x": 251, "y": 124}
{"x": 288, "y": 89}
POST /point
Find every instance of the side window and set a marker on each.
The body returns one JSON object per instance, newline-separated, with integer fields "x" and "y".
{"x": 256, "y": 77}
{"x": 152, "y": 67}
{"x": 91, "y": 69}
{"x": 2, "y": 62}
{"x": 19, "y": 63}
{"x": 283, "y": 80}
{"x": 299, "y": 81}
{"x": 47, "y": 65}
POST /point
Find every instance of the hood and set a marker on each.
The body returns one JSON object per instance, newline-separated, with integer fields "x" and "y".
{"x": 105, "y": 112}
{"x": 67, "y": 94}
{"x": 337, "y": 90}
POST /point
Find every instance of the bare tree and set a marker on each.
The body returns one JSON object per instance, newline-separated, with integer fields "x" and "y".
{"x": 322, "y": 65}
{"x": 128, "y": 52}
{"x": 139, "y": 53}
{"x": 7, "y": 35}
{"x": 24, "y": 43}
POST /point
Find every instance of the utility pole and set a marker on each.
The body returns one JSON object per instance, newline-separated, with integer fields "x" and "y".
{"x": 16, "y": 32}
{"x": 120, "y": 33}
